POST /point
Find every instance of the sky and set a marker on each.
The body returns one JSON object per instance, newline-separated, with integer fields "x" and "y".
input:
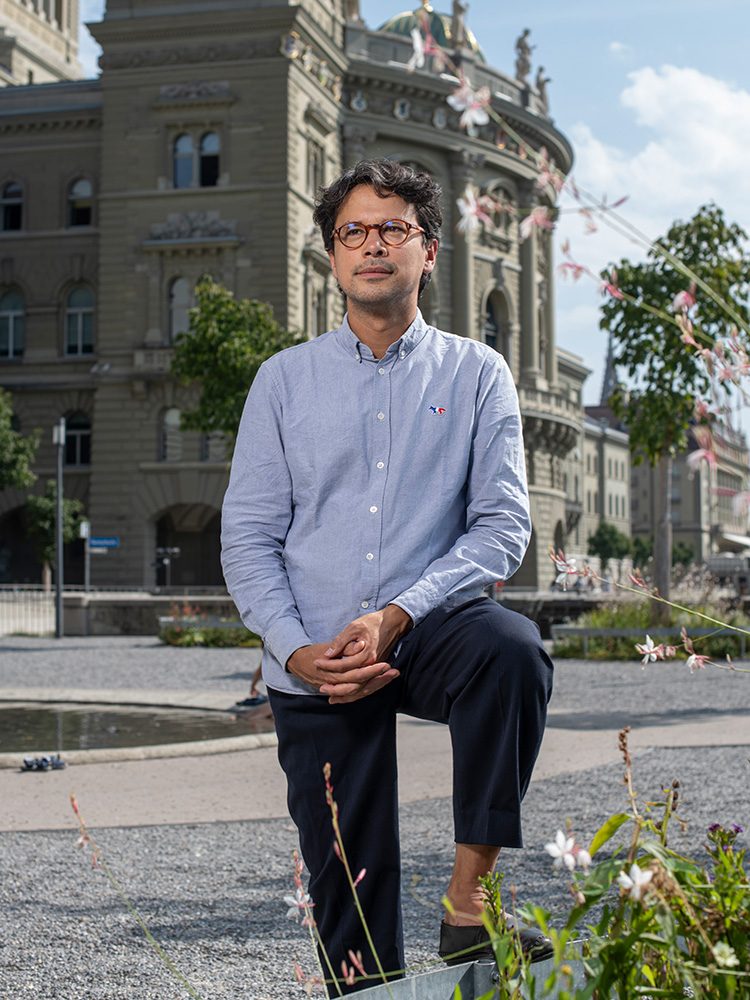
{"x": 654, "y": 96}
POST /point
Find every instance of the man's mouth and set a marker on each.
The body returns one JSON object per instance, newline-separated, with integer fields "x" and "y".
{"x": 375, "y": 270}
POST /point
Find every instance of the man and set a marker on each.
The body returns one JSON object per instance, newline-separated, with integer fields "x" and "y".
{"x": 377, "y": 487}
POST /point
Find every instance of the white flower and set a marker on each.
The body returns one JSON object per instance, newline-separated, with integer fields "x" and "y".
{"x": 561, "y": 850}
{"x": 583, "y": 859}
{"x": 472, "y": 103}
{"x": 648, "y": 650}
{"x": 297, "y": 903}
{"x": 635, "y": 883}
{"x": 725, "y": 956}
{"x": 565, "y": 569}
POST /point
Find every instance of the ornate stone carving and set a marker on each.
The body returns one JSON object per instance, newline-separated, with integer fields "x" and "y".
{"x": 195, "y": 90}
{"x": 176, "y": 55}
{"x": 193, "y": 225}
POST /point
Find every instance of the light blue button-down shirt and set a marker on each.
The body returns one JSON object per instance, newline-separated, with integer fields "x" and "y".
{"x": 359, "y": 482}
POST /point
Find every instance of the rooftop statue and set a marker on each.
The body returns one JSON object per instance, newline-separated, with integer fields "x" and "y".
{"x": 523, "y": 56}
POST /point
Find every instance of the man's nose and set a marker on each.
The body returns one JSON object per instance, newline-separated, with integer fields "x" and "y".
{"x": 374, "y": 244}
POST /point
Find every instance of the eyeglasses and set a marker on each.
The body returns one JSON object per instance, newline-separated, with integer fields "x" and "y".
{"x": 392, "y": 232}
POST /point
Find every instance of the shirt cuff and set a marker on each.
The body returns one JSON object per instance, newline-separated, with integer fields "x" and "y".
{"x": 284, "y": 637}
{"x": 415, "y": 603}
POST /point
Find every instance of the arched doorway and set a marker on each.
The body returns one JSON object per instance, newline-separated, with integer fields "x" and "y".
{"x": 188, "y": 547}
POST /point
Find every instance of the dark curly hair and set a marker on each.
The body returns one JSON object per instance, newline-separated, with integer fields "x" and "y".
{"x": 386, "y": 177}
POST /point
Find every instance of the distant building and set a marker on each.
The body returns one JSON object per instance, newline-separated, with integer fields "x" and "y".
{"x": 606, "y": 478}
{"x": 199, "y": 151}
{"x": 702, "y": 510}
{"x": 38, "y": 41}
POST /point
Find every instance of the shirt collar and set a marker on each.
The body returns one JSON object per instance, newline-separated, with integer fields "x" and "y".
{"x": 403, "y": 346}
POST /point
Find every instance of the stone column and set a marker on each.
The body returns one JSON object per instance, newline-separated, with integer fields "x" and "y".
{"x": 529, "y": 297}
{"x": 357, "y": 139}
{"x": 549, "y": 311}
{"x": 465, "y": 323}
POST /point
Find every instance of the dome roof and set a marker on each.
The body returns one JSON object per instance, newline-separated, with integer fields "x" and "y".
{"x": 440, "y": 28}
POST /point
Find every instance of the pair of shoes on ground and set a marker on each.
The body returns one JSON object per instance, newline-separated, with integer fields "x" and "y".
{"x": 252, "y": 702}
{"x": 54, "y": 763}
{"x": 471, "y": 943}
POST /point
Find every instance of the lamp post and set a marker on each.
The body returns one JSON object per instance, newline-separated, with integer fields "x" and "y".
{"x": 58, "y": 440}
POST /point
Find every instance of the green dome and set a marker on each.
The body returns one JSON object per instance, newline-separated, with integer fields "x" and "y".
{"x": 440, "y": 28}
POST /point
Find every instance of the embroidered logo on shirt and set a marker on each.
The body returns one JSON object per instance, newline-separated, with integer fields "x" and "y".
{"x": 439, "y": 410}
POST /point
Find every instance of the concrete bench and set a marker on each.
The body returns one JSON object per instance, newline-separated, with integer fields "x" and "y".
{"x": 673, "y": 633}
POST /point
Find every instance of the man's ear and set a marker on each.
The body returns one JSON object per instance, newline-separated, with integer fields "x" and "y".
{"x": 332, "y": 262}
{"x": 431, "y": 251}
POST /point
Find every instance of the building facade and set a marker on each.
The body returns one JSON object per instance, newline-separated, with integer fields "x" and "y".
{"x": 199, "y": 150}
{"x": 38, "y": 41}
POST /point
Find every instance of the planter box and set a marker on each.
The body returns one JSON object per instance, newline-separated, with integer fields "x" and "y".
{"x": 474, "y": 979}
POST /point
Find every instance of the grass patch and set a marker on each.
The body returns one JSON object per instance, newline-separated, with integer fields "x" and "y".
{"x": 637, "y": 615}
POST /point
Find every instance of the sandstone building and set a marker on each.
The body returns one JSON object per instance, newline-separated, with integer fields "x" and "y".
{"x": 198, "y": 151}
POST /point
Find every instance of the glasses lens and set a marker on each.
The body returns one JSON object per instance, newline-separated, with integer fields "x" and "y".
{"x": 352, "y": 235}
{"x": 394, "y": 232}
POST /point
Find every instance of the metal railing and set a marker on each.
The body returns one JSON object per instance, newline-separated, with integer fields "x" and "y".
{"x": 26, "y": 610}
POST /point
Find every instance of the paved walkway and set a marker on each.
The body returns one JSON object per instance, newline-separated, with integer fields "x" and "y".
{"x": 202, "y": 843}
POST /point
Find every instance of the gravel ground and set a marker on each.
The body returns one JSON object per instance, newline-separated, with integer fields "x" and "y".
{"x": 212, "y": 894}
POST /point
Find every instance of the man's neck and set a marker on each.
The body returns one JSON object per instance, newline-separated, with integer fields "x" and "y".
{"x": 378, "y": 331}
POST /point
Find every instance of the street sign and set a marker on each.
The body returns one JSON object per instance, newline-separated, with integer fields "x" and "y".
{"x": 104, "y": 541}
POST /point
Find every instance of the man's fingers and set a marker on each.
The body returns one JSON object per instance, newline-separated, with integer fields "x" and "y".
{"x": 355, "y": 679}
{"x": 343, "y": 696}
{"x": 340, "y": 664}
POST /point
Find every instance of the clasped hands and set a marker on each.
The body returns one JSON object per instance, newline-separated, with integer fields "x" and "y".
{"x": 355, "y": 663}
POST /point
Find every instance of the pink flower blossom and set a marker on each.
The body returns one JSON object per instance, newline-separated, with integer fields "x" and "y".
{"x": 549, "y": 175}
{"x": 472, "y": 211}
{"x": 705, "y": 451}
{"x": 696, "y": 662}
{"x": 684, "y": 300}
{"x": 565, "y": 569}
{"x": 472, "y": 103}
{"x": 740, "y": 504}
{"x": 611, "y": 287}
{"x": 359, "y": 877}
{"x": 569, "y": 267}
{"x": 539, "y": 218}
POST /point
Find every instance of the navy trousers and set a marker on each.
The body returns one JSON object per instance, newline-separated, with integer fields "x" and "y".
{"x": 483, "y": 671}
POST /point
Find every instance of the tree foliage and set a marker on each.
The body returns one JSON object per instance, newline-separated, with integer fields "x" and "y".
{"x": 16, "y": 451}
{"x": 40, "y": 517}
{"x": 608, "y": 542}
{"x": 228, "y": 341}
{"x": 665, "y": 376}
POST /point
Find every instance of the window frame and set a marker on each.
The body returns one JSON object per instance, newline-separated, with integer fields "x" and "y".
{"x": 77, "y": 439}
{"x": 15, "y": 318}
{"x": 71, "y": 207}
{"x": 8, "y": 203}
{"x": 79, "y": 313}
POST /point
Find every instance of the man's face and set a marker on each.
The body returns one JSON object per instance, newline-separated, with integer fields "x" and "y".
{"x": 377, "y": 276}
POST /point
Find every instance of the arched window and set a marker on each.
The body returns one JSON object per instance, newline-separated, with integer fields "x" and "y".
{"x": 180, "y": 302}
{"x": 79, "y": 321}
{"x": 12, "y": 314}
{"x": 170, "y": 438}
{"x": 11, "y": 204}
{"x": 81, "y": 202}
{"x": 77, "y": 439}
{"x": 496, "y": 331}
{"x": 182, "y": 158}
{"x": 210, "y": 149}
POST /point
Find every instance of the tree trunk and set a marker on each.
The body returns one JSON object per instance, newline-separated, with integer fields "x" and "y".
{"x": 663, "y": 541}
{"x": 46, "y": 577}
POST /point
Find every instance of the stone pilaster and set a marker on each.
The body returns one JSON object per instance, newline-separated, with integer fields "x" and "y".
{"x": 465, "y": 322}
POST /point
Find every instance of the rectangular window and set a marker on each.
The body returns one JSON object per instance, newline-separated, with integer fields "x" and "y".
{"x": 315, "y": 166}
{"x": 11, "y": 335}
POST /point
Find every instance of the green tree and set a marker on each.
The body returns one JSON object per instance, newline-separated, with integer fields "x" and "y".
{"x": 228, "y": 341}
{"x": 682, "y": 553}
{"x": 40, "y": 517}
{"x": 665, "y": 375}
{"x": 16, "y": 451}
{"x": 643, "y": 550}
{"x": 608, "y": 542}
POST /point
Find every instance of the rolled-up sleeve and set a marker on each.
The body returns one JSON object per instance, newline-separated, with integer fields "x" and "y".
{"x": 256, "y": 517}
{"x": 498, "y": 522}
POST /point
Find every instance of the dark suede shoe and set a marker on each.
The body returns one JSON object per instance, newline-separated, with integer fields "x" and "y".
{"x": 473, "y": 944}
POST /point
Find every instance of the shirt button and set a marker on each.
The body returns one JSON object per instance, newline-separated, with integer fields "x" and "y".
{"x": 381, "y": 416}
{"x": 365, "y": 604}
{"x": 381, "y": 371}
{"x": 381, "y": 465}
{"x": 402, "y": 354}
{"x": 369, "y": 556}
{"x": 373, "y": 510}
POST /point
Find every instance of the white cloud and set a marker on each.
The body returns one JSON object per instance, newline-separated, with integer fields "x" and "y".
{"x": 620, "y": 50}
{"x": 693, "y": 150}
